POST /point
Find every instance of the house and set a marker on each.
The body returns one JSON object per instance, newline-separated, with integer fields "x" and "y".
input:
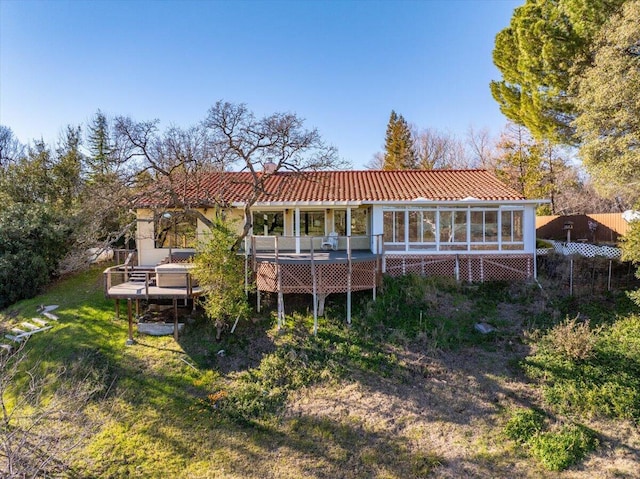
{"x": 338, "y": 231}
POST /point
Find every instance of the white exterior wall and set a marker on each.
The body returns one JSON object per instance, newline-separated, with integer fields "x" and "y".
{"x": 149, "y": 255}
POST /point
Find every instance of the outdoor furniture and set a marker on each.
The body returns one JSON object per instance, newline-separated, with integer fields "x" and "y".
{"x": 173, "y": 275}
{"x": 330, "y": 241}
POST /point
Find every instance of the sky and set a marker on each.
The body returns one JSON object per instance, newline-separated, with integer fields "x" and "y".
{"x": 342, "y": 65}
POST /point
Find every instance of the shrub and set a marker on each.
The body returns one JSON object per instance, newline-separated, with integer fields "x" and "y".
{"x": 220, "y": 273}
{"x": 560, "y": 449}
{"x": 32, "y": 241}
{"x": 524, "y": 424}
{"x": 573, "y": 339}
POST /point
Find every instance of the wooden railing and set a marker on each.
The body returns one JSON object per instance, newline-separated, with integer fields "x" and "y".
{"x": 306, "y": 244}
{"x": 146, "y": 277}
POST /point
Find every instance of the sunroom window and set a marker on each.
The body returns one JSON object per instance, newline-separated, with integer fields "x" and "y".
{"x": 358, "y": 222}
{"x": 453, "y": 229}
{"x": 511, "y": 226}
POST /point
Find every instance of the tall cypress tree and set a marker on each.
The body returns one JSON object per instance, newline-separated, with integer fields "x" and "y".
{"x": 398, "y": 149}
{"x": 99, "y": 143}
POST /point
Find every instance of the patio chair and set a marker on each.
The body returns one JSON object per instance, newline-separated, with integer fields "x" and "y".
{"x": 330, "y": 241}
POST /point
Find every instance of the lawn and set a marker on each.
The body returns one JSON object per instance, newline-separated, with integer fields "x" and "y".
{"x": 410, "y": 390}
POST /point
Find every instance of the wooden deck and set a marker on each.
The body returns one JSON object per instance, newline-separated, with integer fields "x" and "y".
{"x": 136, "y": 290}
{"x": 142, "y": 283}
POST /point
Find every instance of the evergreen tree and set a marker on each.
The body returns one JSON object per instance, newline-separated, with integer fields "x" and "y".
{"x": 66, "y": 172}
{"x": 101, "y": 161}
{"x": 547, "y": 42}
{"x": 608, "y": 123}
{"x": 399, "y": 153}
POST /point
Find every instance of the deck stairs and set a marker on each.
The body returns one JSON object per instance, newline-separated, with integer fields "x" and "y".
{"x": 139, "y": 275}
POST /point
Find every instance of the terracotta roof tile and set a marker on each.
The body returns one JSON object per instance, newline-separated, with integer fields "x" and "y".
{"x": 345, "y": 186}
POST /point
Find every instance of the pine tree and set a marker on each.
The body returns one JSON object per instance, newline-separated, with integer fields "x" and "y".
{"x": 399, "y": 153}
{"x": 100, "y": 162}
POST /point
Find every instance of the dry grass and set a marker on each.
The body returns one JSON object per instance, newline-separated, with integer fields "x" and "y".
{"x": 397, "y": 406}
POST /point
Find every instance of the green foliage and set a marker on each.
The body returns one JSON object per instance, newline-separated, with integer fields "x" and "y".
{"x": 220, "y": 272}
{"x": 557, "y": 448}
{"x": 530, "y": 166}
{"x": 398, "y": 148}
{"x": 545, "y": 43}
{"x": 439, "y": 310}
{"x": 33, "y": 239}
{"x": 606, "y": 383}
{"x": 560, "y": 449}
{"x": 524, "y": 424}
{"x": 630, "y": 245}
{"x": 608, "y": 123}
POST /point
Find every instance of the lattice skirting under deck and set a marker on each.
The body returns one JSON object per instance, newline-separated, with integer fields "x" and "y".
{"x": 472, "y": 268}
{"x": 330, "y": 277}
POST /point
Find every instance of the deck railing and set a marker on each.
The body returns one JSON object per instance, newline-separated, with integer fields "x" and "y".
{"x": 146, "y": 277}
{"x": 306, "y": 244}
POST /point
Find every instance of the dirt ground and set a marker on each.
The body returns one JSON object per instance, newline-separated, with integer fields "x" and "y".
{"x": 453, "y": 405}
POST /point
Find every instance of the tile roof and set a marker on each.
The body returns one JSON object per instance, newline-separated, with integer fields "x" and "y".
{"x": 342, "y": 186}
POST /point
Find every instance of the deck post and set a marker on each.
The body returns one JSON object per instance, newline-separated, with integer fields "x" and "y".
{"x": 130, "y": 340}
{"x": 253, "y": 253}
{"x": 258, "y": 299}
{"x": 349, "y": 267}
{"x": 175, "y": 319}
{"x": 246, "y": 267}
{"x": 279, "y": 286}
{"x": 315, "y": 292}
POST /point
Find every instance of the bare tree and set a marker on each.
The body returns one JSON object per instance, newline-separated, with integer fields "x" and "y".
{"x": 40, "y": 429}
{"x": 265, "y": 146}
{"x": 175, "y": 162}
{"x": 437, "y": 150}
{"x": 481, "y": 147}
{"x": 11, "y": 150}
{"x": 376, "y": 162}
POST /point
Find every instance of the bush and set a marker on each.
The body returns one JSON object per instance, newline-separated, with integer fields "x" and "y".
{"x": 524, "y": 424}
{"x": 574, "y": 340}
{"x": 32, "y": 242}
{"x": 560, "y": 449}
{"x": 606, "y": 383}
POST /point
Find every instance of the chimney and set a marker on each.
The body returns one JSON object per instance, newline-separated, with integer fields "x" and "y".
{"x": 269, "y": 167}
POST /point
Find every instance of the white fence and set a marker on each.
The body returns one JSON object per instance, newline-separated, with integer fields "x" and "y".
{"x": 582, "y": 249}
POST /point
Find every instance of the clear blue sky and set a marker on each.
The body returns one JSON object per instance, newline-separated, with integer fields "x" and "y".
{"x": 341, "y": 65}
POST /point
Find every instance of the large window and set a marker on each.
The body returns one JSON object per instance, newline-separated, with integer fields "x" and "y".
{"x": 340, "y": 222}
{"x": 358, "y": 222}
{"x": 175, "y": 229}
{"x": 312, "y": 223}
{"x": 512, "y": 229}
{"x": 484, "y": 229}
{"x": 268, "y": 223}
{"x": 422, "y": 229}
{"x": 453, "y": 229}
{"x": 394, "y": 229}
